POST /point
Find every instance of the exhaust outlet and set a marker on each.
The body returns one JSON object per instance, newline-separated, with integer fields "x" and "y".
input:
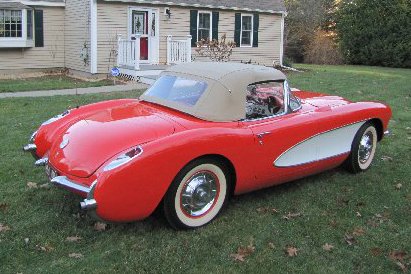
{"x": 88, "y": 204}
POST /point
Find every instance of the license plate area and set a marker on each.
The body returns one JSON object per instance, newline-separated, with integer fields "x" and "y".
{"x": 51, "y": 173}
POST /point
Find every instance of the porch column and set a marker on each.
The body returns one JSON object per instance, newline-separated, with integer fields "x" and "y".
{"x": 119, "y": 51}
{"x": 169, "y": 38}
{"x": 189, "y": 37}
{"x": 137, "y": 52}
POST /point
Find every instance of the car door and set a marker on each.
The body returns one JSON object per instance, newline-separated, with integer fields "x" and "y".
{"x": 277, "y": 155}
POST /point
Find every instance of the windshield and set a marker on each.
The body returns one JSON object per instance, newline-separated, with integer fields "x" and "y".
{"x": 177, "y": 89}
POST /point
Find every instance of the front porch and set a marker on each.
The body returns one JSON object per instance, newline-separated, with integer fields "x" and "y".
{"x": 138, "y": 57}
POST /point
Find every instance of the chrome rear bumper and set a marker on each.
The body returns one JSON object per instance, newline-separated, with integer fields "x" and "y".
{"x": 87, "y": 204}
{"x": 63, "y": 181}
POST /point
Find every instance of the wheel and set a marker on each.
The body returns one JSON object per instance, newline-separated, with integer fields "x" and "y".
{"x": 363, "y": 149}
{"x": 197, "y": 194}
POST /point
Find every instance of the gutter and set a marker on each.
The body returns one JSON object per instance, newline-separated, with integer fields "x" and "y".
{"x": 160, "y": 3}
{"x": 43, "y": 3}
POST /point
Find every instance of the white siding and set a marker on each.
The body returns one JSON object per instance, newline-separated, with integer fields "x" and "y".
{"x": 49, "y": 56}
{"x": 77, "y": 25}
{"x": 113, "y": 20}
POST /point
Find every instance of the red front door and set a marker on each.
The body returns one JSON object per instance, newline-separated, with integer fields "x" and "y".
{"x": 140, "y": 27}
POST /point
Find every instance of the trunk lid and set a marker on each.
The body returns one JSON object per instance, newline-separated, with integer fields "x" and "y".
{"x": 90, "y": 142}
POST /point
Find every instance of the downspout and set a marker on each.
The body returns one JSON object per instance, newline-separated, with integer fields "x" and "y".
{"x": 283, "y": 15}
{"x": 93, "y": 36}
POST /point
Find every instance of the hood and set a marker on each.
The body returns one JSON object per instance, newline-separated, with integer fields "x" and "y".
{"x": 91, "y": 141}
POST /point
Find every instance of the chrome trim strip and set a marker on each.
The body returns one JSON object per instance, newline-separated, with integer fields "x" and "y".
{"x": 63, "y": 181}
{"x": 29, "y": 147}
{"x": 316, "y": 135}
{"x": 41, "y": 162}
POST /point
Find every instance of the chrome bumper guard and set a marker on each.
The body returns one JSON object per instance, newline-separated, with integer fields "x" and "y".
{"x": 42, "y": 162}
{"x": 29, "y": 147}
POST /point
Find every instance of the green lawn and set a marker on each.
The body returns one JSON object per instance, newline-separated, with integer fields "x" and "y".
{"x": 49, "y": 82}
{"x": 366, "y": 218}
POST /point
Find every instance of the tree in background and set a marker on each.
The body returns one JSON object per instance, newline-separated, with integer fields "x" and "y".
{"x": 310, "y": 26}
{"x": 375, "y": 32}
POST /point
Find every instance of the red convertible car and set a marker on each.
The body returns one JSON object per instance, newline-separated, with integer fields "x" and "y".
{"x": 201, "y": 133}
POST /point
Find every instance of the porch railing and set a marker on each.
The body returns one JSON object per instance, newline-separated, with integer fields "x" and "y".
{"x": 129, "y": 53}
{"x": 178, "y": 50}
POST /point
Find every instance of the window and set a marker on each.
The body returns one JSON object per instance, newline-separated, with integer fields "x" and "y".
{"x": 177, "y": 89}
{"x": 246, "y": 31}
{"x": 265, "y": 99}
{"x": 204, "y": 26}
{"x": 10, "y": 23}
{"x": 16, "y": 28}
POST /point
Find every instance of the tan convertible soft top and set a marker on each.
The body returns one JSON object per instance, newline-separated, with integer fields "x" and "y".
{"x": 225, "y": 97}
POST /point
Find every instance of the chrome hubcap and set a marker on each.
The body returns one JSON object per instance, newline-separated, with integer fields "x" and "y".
{"x": 366, "y": 147}
{"x": 199, "y": 193}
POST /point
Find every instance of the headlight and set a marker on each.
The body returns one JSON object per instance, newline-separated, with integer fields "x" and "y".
{"x": 124, "y": 158}
{"x": 55, "y": 118}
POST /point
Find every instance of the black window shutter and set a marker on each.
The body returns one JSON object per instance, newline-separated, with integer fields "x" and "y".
{"x": 193, "y": 27}
{"x": 256, "y": 25}
{"x": 237, "y": 29}
{"x": 38, "y": 29}
{"x": 216, "y": 16}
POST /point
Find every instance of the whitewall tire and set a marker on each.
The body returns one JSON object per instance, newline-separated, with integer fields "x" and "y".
{"x": 197, "y": 195}
{"x": 363, "y": 149}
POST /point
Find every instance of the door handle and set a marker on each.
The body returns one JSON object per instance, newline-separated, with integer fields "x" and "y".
{"x": 261, "y": 135}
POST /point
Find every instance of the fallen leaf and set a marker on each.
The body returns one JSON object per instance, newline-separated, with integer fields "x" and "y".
{"x": 32, "y": 185}
{"x": 4, "y": 207}
{"x": 397, "y": 255}
{"x": 358, "y": 214}
{"x": 243, "y": 252}
{"x": 398, "y": 186}
{"x": 45, "y": 248}
{"x": 291, "y": 251}
{"x": 349, "y": 239}
{"x": 290, "y": 215}
{"x": 271, "y": 245}
{"x": 76, "y": 255}
{"x": 376, "y": 251}
{"x": 99, "y": 226}
{"x": 358, "y": 231}
{"x": 328, "y": 247}
{"x": 387, "y": 158}
{"x": 45, "y": 186}
{"x": 26, "y": 241}
{"x": 266, "y": 210}
{"x": 333, "y": 223}
{"x": 73, "y": 239}
{"x": 4, "y": 228}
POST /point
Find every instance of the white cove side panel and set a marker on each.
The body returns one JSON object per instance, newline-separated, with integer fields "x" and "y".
{"x": 320, "y": 147}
